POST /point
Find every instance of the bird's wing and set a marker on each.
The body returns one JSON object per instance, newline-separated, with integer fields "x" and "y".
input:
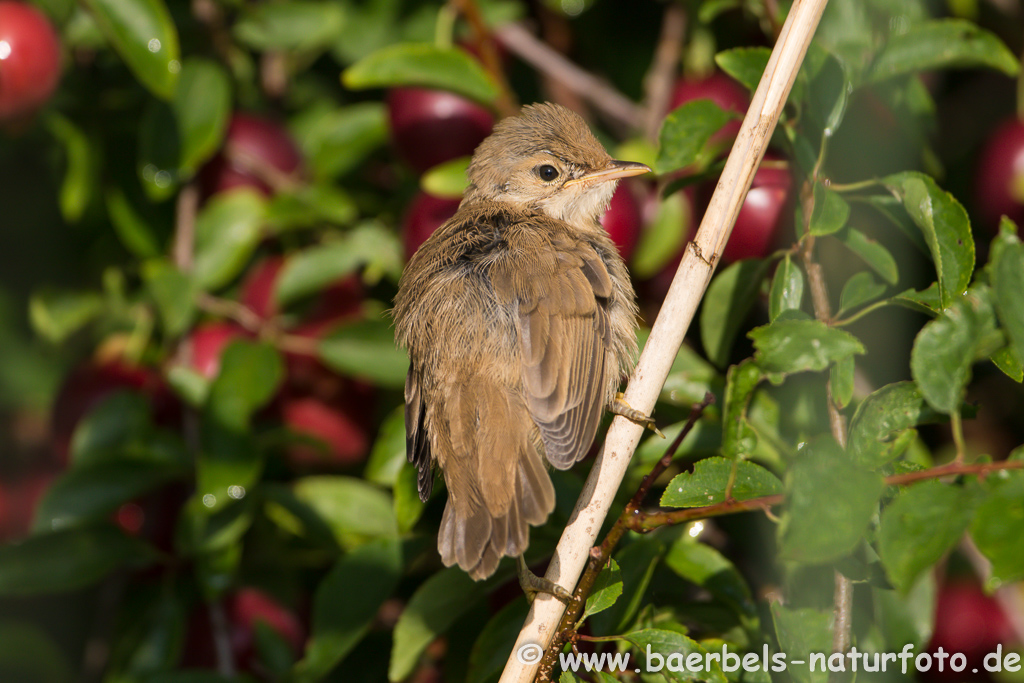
{"x": 561, "y": 286}
{"x": 417, "y": 444}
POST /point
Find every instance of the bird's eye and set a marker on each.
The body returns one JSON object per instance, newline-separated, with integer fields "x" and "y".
{"x": 547, "y": 172}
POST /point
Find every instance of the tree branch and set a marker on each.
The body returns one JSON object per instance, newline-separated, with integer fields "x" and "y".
{"x": 692, "y": 278}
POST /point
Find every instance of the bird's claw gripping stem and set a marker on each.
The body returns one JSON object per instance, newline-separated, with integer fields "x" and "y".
{"x": 620, "y": 407}
{"x": 533, "y": 584}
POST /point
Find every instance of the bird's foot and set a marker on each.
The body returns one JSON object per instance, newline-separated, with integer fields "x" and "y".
{"x": 533, "y": 584}
{"x": 620, "y": 407}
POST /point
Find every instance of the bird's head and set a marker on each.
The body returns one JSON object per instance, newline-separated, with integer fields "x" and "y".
{"x": 547, "y": 159}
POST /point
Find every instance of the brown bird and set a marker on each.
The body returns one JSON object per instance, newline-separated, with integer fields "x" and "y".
{"x": 519, "y": 318}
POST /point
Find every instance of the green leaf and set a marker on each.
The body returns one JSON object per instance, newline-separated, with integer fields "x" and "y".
{"x": 314, "y": 268}
{"x": 346, "y": 602}
{"x": 110, "y": 427}
{"x": 606, "y": 590}
{"x": 491, "y": 648}
{"x": 56, "y": 315}
{"x": 433, "y": 608}
{"x": 860, "y": 289}
{"x": 738, "y": 437}
{"x": 29, "y": 651}
{"x": 228, "y": 230}
{"x": 80, "y": 166}
{"x": 945, "y": 226}
{"x": 787, "y": 290}
{"x": 159, "y": 151}
{"x": 422, "y": 64}
{"x": 1007, "y": 282}
{"x": 67, "y": 560}
{"x": 310, "y": 206}
{"x": 446, "y": 180}
{"x": 88, "y": 494}
{"x": 745, "y": 64}
{"x": 726, "y": 304}
{"x": 408, "y": 506}
{"x": 387, "y": 457}
{"x": 841, "y": 381}
{"x": 920, "y": 526}
{"x": 872, "y": 252}
{"x": 706, "y": 567}
{"x": 249, "y": 376}
{"x": 174, "y": 293}
{"x": 892, "y": 208}
{"x": 906, "y": 619}
{"x": 202, "y": 105}
{"x": 367, "y": 350}
{"x": 134, "y": 231}
{"x": 355, "y": 510}
{"x": 674, "y": 656}
{"x": 143, "y": 33}
{"x": 946, "y": 348}
{"x": 293, "y": 25}
{"x": 882, "y": 427}
{"x": 336, "y": 139}
{"x": 831, "y": 502}
{"x": 802, "y": 632}
{"x": 830, "y": 211}
{"x": 661, "y": 240}
{"x": 790, "y": 346}
{"x": 925, "y": 301}
{"x": 706, "y": 485}
{"x": 942, "y": 44}
{"x": 686, "y": 131}
{"x": 637, "y": 562}
{"x": 998, "y": 526}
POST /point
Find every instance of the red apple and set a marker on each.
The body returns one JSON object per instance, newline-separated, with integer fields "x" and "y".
{"x": 623, "y": 220}
{"x": 29, "y": 60}
{"x": 1000, "y": 176}
{"x": 720, "y": 89}
{"x": 762, "y": 215}
{"x": 429, "y": 127}
{"x": 425, "y": 214}
{"x": 343, "y": 440}
{"x": 250, "y": 606}
{"x": 244, "y": 609}
{"x": 19, "y": 500}
{"x": 968, "y": 621}
{"x": 257, "y": 292}
{"x": 208, "y": 342}
{"x": 249, "y": 143}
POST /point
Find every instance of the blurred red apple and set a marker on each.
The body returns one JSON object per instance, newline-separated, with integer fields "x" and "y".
{"x": 425, "y": 214}
{"x": 764, "y": 212}
{"x": 999, "y": 180}
{"x": 968, "y": 621}
{"x": 623, "y": 220}
{"x": 343, "y": 441}
{"x": 29, "y": 60}
{"x": 246, "y": 608}
{"x": 250, "y": 143}
{"x": 257, "y": 291}
{"x": 208, "y": 342}
{"x": 19, "y": 500}
{"x": 720, "y": 89}
{"x": 429, "y": 127}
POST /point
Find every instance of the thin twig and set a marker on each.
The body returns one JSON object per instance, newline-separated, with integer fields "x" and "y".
{"x": 691, "y": 280}
{"x": 185, "y": 227}
{"x": 599, "y": 554}
{"x": 483, "y": 40}
{"x": 221, "y": 639}
{"x": 659, "y": 80}
{"x": 517, "y": 39}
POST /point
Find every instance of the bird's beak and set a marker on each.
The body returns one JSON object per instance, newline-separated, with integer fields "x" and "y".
{"x": 613, "y": 171}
